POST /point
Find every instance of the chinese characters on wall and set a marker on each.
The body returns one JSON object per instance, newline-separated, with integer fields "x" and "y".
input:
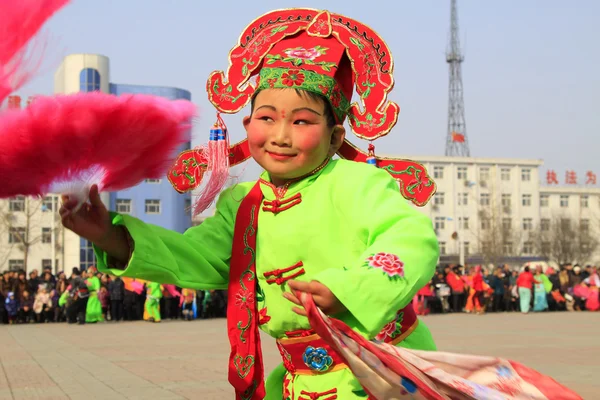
{"x": 570, "y": 178}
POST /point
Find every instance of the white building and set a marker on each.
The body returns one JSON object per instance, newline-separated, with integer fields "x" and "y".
{"x": 474, "y": 195}
{"x": 31, "y": 235}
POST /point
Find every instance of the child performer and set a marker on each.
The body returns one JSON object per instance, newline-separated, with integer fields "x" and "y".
{"x": 336, "y": 229}
{"x": 152, "y": 305}
{"x": 93, "y": 309}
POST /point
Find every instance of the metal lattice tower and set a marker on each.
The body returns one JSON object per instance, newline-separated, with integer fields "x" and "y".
{"x": 456, "y": 142}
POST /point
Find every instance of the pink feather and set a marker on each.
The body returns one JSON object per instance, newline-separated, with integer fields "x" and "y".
{"x": 20, "y": 21}
{"x": 67, "y": 143}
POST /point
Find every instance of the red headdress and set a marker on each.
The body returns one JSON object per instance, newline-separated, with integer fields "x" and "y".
{"x": 320, "y": 52}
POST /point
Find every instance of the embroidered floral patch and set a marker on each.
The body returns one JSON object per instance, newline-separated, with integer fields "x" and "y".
{"x": 317, "y": 359}
{"x": 388, "y": 263}
{"x": 392, "y": 329}
{"x": 387, "y": 331}
{"x": 244, "y": 299}
{"x": 306, "y": 54}
{"x": 301, "y": 56}
{"x": 292, "y": 78}
{"x": 263, "y": 318}
{"x": 283, "y": 78}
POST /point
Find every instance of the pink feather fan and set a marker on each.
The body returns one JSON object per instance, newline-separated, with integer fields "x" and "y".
{"x": 64, "y": 144}
{"x": 20, "y": 21}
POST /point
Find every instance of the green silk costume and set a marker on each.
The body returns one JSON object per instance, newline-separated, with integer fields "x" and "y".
{"x": 153, "y": 296}
{"x": 348, "y": 212}
{"x": 93, "y": 310}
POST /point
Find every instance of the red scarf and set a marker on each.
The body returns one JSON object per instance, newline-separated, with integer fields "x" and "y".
{"x": 246, "y": 370}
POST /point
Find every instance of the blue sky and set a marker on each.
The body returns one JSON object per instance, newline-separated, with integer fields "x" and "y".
{"x": 531, "y": 74}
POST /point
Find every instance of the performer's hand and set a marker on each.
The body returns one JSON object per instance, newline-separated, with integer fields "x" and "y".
{"x": 323, "y": 297}
{"x": 92, "y": 222}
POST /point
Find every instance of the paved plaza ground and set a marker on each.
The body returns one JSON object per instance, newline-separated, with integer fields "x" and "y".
{"x": 187, "y": 360}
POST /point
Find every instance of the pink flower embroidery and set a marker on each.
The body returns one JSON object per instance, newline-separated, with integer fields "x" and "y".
{"x": 244, "y": 299}
{"x": 303, "y": 54}
{"x": 389, "y": 263}
{"x": 387, "y": 331}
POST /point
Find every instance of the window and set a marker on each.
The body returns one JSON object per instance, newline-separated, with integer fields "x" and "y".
{"x": 527, "y": 224}
{"x": 153, "y": 180}
{"x": 507, "y": 248}
{"x": 585, "y": 247}
{"x": 123, "y": 206}
{"x": 47, "y": 263}
{"x": 486, "y": 247}
{"x": 484, "y": 173}
{"x": 526, "y": 200}
{"x": 438, "y": 172}
{"x": 505, "y": 174}
{"x": 463, "y": 199}
{"x": 584, "y": 202}
{"x": 49, "y": 203}
{"x": 438, "y": 199}
{"x": 528, "y": 248}
{"x": 486, "y": 224}
{"x": 544, "y": 200}
{"x": 545, "y": 224}
{"x": 89, "y": 80}
{"x": 466, "y": 248}
{"x": 87, "y": 258}
{"x": 506, "y": 200}
{"x": 463, "y": 222}
{"x": 17, "y": 204}
{"x": 484, "y": 199}
{"x": 545, "y": 248}
{"x": 564, "y": 200}
{"x": 16, "y": 235}
{"x": 584, "y": 226}
{"x": 461, "y": 172}
{"x": 526, "y": 175}
{"x": 152, "y": 206}
{"x": 506, "y": 224}
{"x": 565, "y": 224}
{"x": 46, "y": 235}
{"x": 440, "y": 223}
{"x": 14, "y": 265}
{"x": 442, "y": 246}
{"x": 188, "y": 206}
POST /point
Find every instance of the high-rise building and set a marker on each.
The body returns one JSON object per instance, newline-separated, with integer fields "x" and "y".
{"x": 153, "y": 201}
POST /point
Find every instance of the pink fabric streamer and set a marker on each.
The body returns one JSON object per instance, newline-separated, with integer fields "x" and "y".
{"x": 20, "y": 21}
{"x": 389, "y": 372}
{"x": 63, "y": 144}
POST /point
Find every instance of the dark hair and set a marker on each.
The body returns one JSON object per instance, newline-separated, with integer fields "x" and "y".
{"x": 526, "y": 269}
{"x": 329, "y": 115}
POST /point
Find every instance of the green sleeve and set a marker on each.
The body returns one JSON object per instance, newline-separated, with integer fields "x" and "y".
{"x": 197, "y": 259}
{"x": 386, "y": 223}
{"x": 63, "y": 298}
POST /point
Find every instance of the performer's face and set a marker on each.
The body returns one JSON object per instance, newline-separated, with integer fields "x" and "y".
{"x": 289, "y": 135}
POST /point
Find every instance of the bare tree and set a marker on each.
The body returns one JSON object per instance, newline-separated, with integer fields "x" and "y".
{"x": 22, "y": 220}
{"x": 5, "y": 247}
{"x": 497, "y": 236}
{"x": 565, "y": 240}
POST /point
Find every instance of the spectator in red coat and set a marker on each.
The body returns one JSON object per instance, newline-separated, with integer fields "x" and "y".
{"x": 457, "y": 285}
